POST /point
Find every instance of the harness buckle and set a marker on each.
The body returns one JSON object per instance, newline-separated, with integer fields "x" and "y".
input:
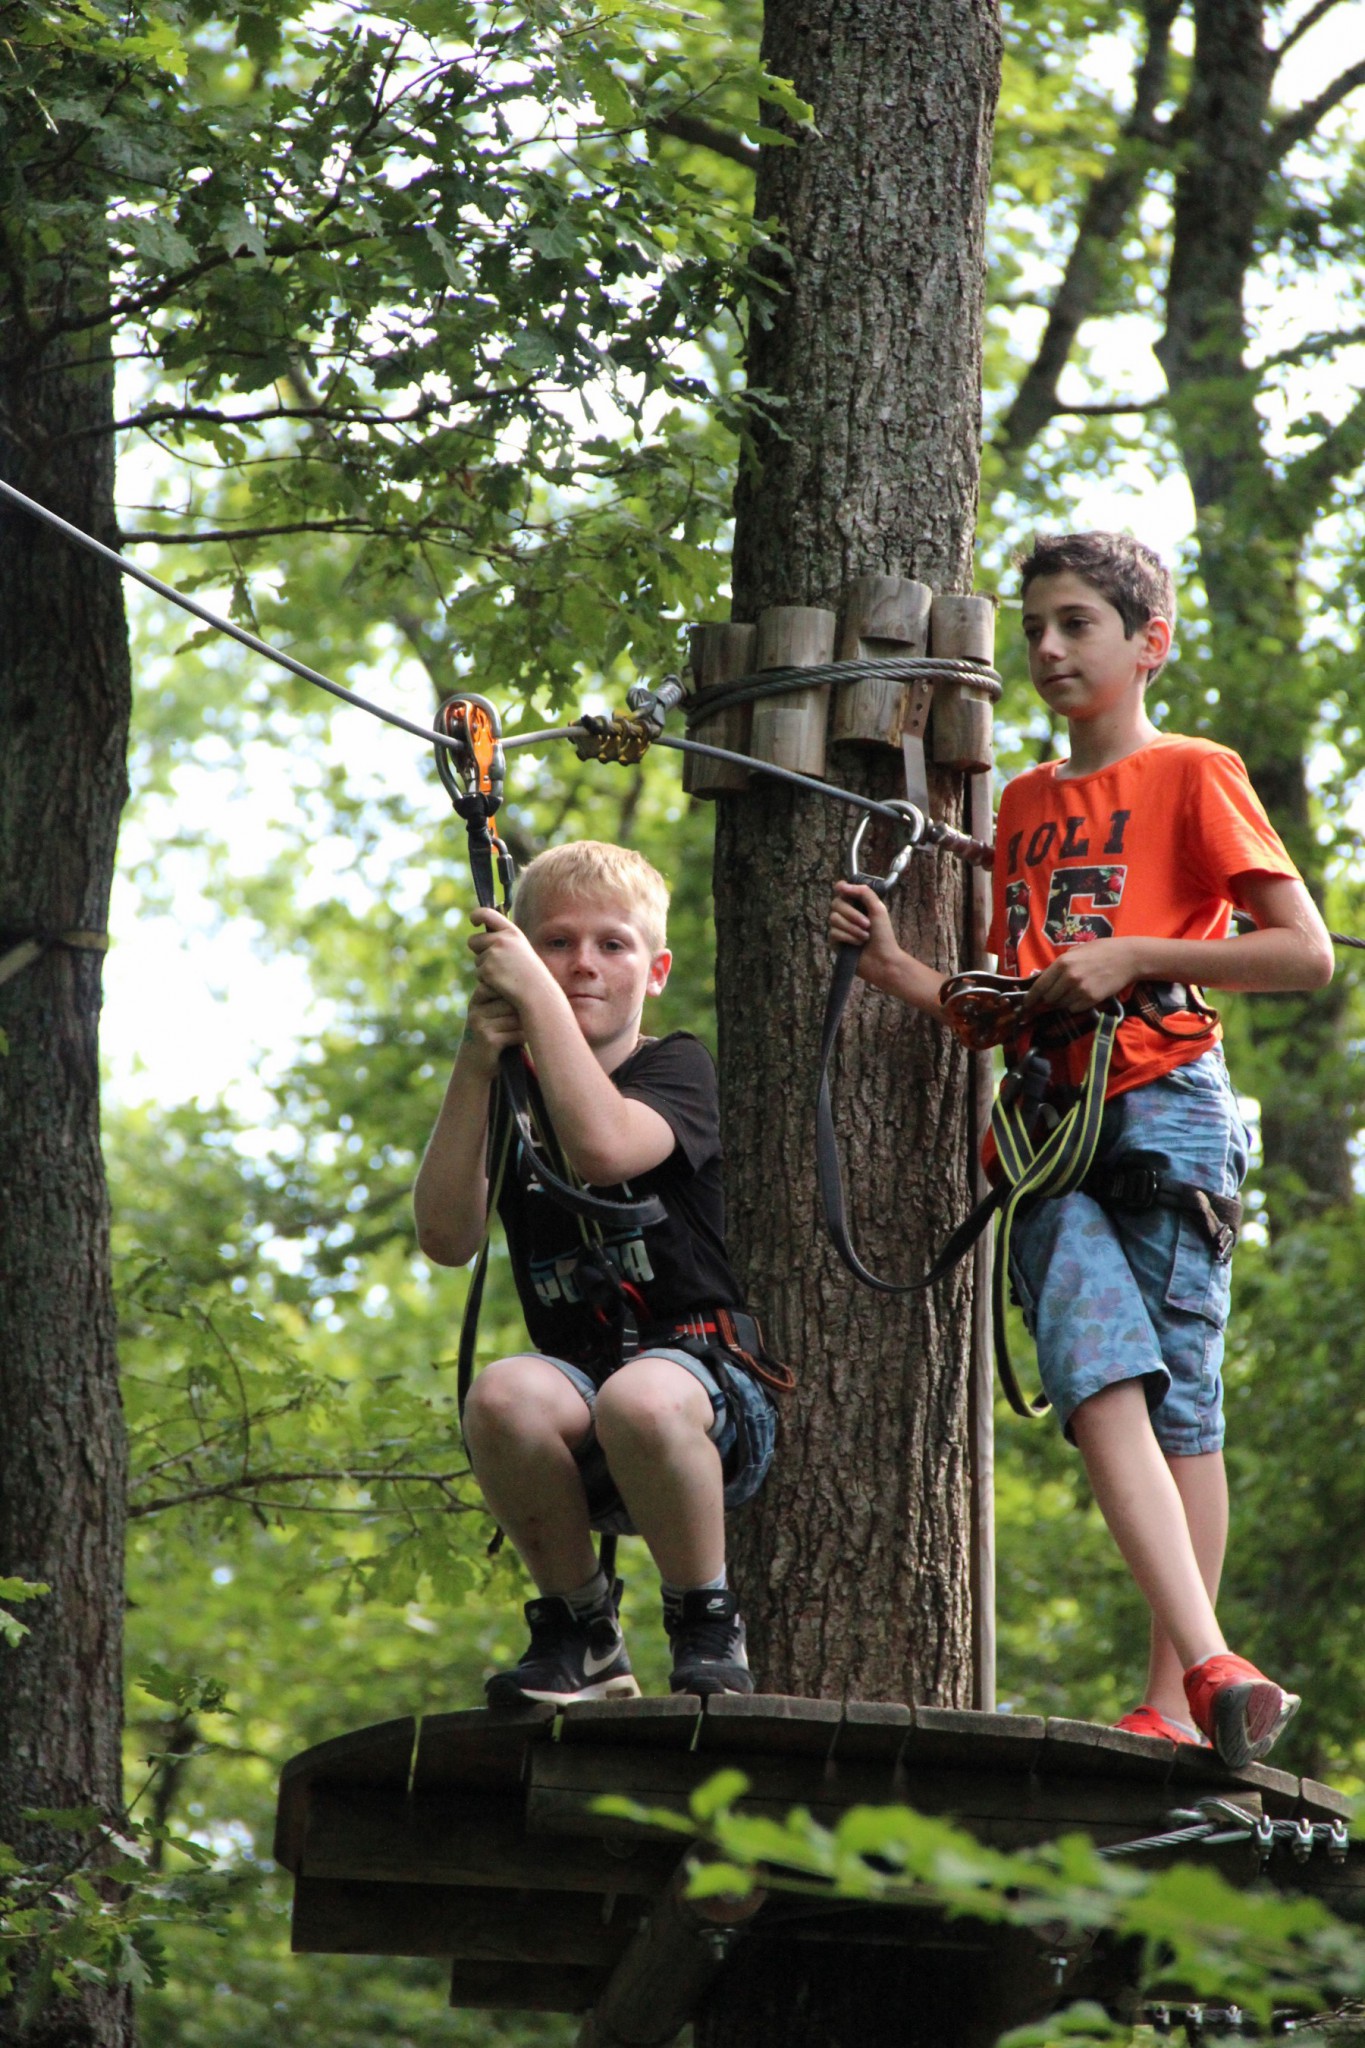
{"x": 1134, "y": 1187}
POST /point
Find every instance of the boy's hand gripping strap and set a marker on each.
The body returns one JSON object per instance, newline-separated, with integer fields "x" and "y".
{"x": 473, "y": 779}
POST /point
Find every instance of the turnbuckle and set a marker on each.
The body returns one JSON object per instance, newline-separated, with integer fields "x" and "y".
{"x": 915, "y": 821}
{"x": 474, "y": 770}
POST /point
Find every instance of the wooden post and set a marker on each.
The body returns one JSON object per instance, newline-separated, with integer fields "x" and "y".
{"x": 963, "y": 627}
{"x": 720, "y": 654}
{"x": 672, "y": 1962}
{"x": 789, "y": 730}
{"x": 981, "y": 1381}
{"x": 882, "y": 615}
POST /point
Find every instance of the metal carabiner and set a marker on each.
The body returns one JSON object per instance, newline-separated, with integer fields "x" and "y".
{"x": 474, "y": 770}
{"x": 884, "y": 884}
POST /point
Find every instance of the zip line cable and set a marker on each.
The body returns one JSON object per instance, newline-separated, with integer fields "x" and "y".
{"x": 951, "y": 842}
{"x": 421, "y": 732}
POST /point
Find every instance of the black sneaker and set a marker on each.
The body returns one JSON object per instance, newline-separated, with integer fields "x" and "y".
{"x": 707, "y": 1635}
{"x": 569, "y": 1657}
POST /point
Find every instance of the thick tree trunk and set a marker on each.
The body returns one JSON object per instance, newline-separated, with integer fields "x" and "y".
{"x": 853, "y": 1565}
{"x": 64, "y": 697}
{"x": 1252, "y": 531}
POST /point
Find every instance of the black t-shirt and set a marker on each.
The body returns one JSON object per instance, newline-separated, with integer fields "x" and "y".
{"x": 679, "y": 1265}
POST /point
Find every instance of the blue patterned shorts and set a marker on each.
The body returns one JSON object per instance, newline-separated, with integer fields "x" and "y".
{"x": 1111, "y": 1294}
{"x": 744, "y": 1432}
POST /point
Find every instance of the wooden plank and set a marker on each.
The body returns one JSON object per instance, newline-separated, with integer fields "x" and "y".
{"x": 872, "y": 1731}
{"x": 720, "y": 654}
{"x": 649, "y": 1723}
{"x": 344, "y": 1919}
{"x": 971, "y": 1739}
{"x": 1013, "y": 1806}
{"x": 1087, "y": 1749}
{"x": 772, "y": 1724}
{"x": 1200, "y": 1770}
{"x": 525, "y": 1987}
{"x": 1324, "y": 1802}
{"x": 471, "y": 1839}
{"x": 481, "y": 1748}
{"x": 881, "y": 615}
{"x": 380, "y": 1756}
{"x": 962, "y": 729}
{"x": 789, "y": 730}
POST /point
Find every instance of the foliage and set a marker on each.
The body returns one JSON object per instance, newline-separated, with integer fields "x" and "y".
{"x": 97, "y": 1912}
{"x": 430, "y": 321}
{"x": 1198, "y": 1938}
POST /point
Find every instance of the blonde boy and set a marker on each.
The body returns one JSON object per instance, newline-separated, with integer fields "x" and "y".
{"x": 583, "y": 1431}
{"x": 1118, "y": 866}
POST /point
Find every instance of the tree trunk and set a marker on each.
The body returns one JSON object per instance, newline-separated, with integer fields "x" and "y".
{"x": 853, "y": 1565}
{"x": 64, "y": 699}
{"x": 1252, "y": 529}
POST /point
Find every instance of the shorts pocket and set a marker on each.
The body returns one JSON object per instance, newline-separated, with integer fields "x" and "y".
{"x": 1200, "y": 1283}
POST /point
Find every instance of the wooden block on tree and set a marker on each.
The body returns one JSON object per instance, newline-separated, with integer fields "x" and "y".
{"x": 523, "y": 1927}
{"x": 789, "y": 730}
{"x": 523, "y": 1987}
{"x": 473, "y": 1839}
{"x": 882, "y": 615}
{"x": 963, "y": 627}
{"x": 771, "y": 1723}
{"x": 634, "y": 1724}
{"x": 479, "y": 1748}
{"x": 720, "y": 654}
{"x": 380, "y": 1756}
{"x": 1201, "y": 1770}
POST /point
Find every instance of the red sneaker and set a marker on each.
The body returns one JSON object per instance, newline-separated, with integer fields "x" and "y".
{"x": 1240, "y": 1710}
{"x": 1145, "y": 1720}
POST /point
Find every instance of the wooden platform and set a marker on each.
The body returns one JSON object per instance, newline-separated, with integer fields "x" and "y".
{"x": 472, "y": 1836}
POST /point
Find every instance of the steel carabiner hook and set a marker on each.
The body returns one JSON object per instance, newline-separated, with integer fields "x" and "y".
{"x": 884, "y": 884}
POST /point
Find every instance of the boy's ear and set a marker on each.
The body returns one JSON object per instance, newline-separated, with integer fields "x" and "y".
{"x": 1156, "y": 643}
{"x": 658, "y": 973}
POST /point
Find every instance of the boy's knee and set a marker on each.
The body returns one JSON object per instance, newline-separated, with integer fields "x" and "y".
{"x": 648, "y": 1408}
{"x": 505, "y": 1401}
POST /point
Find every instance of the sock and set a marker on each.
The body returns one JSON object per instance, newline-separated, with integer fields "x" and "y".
{"x": 673, "y": 1594}
{"x": 594, "y": 1592}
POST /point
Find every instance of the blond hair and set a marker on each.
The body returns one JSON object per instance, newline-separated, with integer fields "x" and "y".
{"x": 591, "y": 867}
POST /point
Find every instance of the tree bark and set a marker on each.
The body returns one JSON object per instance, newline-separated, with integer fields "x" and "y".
{"x": 1252, "y": 529}
{"x": 64, "y": 701}
{"x": 853, "y": 1566}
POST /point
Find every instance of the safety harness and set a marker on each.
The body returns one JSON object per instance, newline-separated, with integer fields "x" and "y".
{"x": 1045, "y": 1144}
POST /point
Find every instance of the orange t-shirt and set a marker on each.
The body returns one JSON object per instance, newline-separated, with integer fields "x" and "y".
{"x": 1150, "y": 847}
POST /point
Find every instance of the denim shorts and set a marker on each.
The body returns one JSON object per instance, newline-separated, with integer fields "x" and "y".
{"x": 1112, "y": 1294}
{"x": 744, "y": 1430}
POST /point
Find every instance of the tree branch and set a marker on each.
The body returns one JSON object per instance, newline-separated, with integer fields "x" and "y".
{"x": 1107, "y": 205}
{"x": 247, "y": 1482}
{"x": 1308, "y": 482}
{"x": 706, "y": 134}
{"x": 1300, "y": 29}
{"x": 1107, "y": 409}
{"x": 1298, "y": 126}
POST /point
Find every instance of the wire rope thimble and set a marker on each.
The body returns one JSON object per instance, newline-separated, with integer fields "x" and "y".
{"x": 915, "y": 822}
{"x": 473, "y": 769}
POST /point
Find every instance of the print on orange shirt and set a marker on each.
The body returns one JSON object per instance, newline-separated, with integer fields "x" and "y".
{"x": 1151, "y": 846}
